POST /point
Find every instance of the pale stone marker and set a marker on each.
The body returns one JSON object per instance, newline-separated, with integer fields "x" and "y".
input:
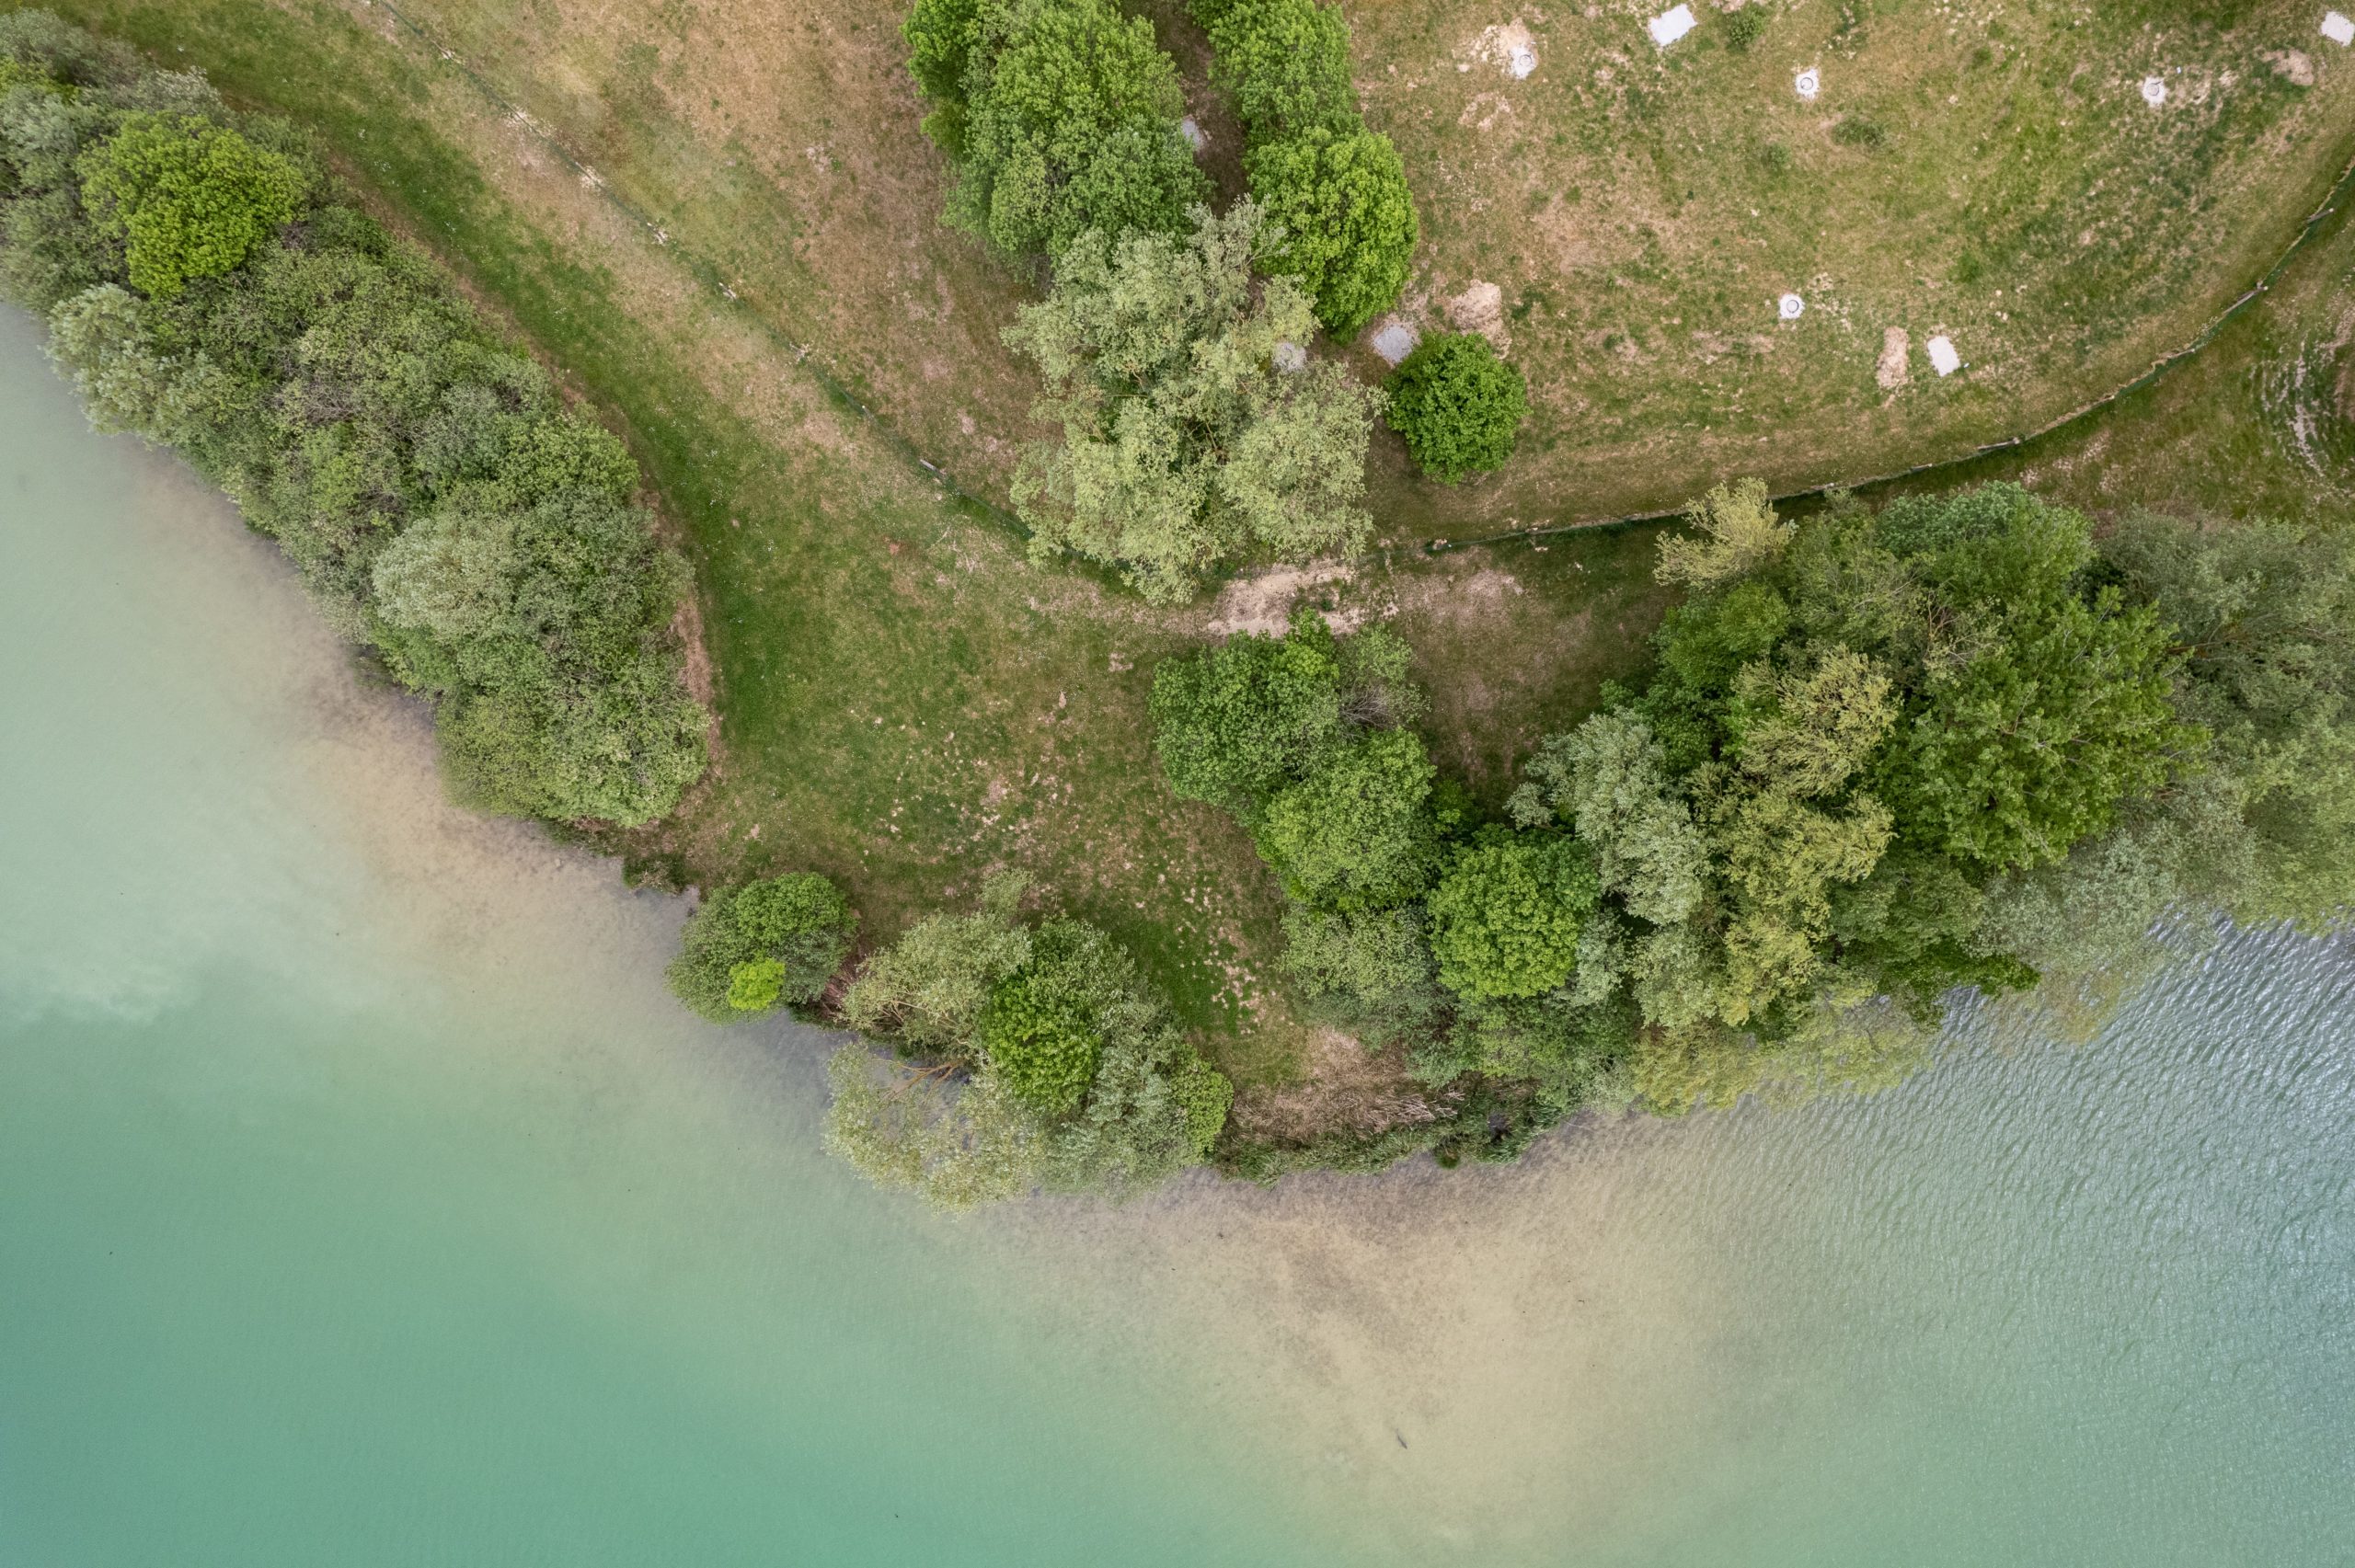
{"x": 1790, "y": 306}
{"x": 1807, "y": 84}
{"x": 1394, "y": 340}
{"x": 2155, "y": 91}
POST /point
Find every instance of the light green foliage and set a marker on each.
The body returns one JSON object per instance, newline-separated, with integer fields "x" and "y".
{"x": 756, "y": 985}
{"x": 1609, "y": 779}
{"x": 1182, "y": 445}
{"x": 1341, "y": 220}
{"x": 747, "y": 949}
{"x": 453, "y": 573}
{"x": 1052, "y": 1062}
{"x": 1738, "y": 533}
{"x": 1062, "y": 118}
{"x": 1357, "y": 833}
{"x": 1806, "y": 735}
{"x": 1506, "y": 914}
{"x": 1285, "y": 64}
{"x": 189, "y": 199}
{"x": 929, "y": 988}
{"x": 959, "y": 1146}
{"x": 1458, "y": 407}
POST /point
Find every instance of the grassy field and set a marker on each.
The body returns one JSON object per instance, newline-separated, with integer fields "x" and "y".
{"x": 906, "y": 703}
{"x": 1989, "y": 171}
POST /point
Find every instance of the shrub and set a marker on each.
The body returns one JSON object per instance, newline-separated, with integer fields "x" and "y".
{"x": 1040, "y": 1036}
{"x": 1236, "y": 723}
{"x": 1506, "y": 917}
{"x": 1458, "y": 404}
{"x": 1182, "y": 445}
{"x": 1745, "y": 27}
{"x": 1357, "y": 833}
{"x": 1341, "y": 220}
{"x": 1285, "y": 63}
{"x": 1062, "y": 118}
{"x": 1053, "y": 1062}
{"x": 189, "y": 199}
{"x": 777, "y": 940}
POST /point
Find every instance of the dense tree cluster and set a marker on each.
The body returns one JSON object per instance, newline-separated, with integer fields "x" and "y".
{"x": 1410, "y": 922}
{"x": 773, "y": 943}
{"x": 1062, "y": 116}
{"x": 1960, "y": 742}
{"x": 1458, "y": 407}
{"x": 1341, "y": 217}
{"x": 1025, "y": 1057}
{"x": 207, "y": 289}
{"x": 1184, "y": 444}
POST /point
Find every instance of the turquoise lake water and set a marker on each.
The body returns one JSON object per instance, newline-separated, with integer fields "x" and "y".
{"x": 364, "y": 1200}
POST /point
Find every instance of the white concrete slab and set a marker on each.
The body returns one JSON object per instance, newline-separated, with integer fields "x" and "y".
{"x": 2155, "y": 91}
{"x": 1790, "y": 307}
{"x": 1808, "y": 83}
{"x": 1672, "y": 25}
{"x": 1393, "y": 341}
{"x": 2338, "y": 28}
{"x": 1943, "y": 358}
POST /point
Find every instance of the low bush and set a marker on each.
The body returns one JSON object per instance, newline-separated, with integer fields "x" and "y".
{"x": 208, "y": 288}
{"x": 1745, "y": 25}
{"x": 1457, "y": 405}
{"x": 775, "y": 942}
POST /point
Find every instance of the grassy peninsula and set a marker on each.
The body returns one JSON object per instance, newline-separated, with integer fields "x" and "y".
{"x": 1055, "y": 581}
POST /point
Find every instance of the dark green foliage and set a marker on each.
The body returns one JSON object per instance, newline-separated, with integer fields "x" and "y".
{"x": 1039, "y": 1031}
{"x": 1357, "y": 833}
{"x": 438, "y": 498}
{"x": 1062, "y": 115}
{"x": 1238, "y": 722}
{"x": 189, "y": 199}
{"x": 1335, "y": 192}
{"x": 778, "y": 939}
{"x": 1458, "y": 407}
{"x": 1342, "y": 218}
{"x": 1506, "y": 914}
{"x": 1285, "y": 63}
{"x": 1745, "y": 27}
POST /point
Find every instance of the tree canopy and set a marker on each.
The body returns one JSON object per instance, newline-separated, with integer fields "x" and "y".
{"x": 1182, "y": 443}
{"x": 1062, "y": 116}
{"x": 1457, "y": 405}
{"x": 187, "y": 198}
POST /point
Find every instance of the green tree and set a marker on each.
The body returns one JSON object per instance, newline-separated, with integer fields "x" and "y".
{"x": 1063, "y": 119}
{"x": 1041, "y": 1031}
{"x": 1735, "y": 532}
{"x": 1284, "y": 64}
{"x": 1506, "y": 914}
{"x": 1609, "y": 779}
{"x": 189, "y": 199}
{"x": 746, "y": 949}
{"x": 1236, "y": 723}
{"x": 1458, "y": 407}
{"x": 1340, "y": 219}
{"x": 1357, "y": 833}
{"x": 1182, "y": 445}
{"x": 930, "y": 988}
